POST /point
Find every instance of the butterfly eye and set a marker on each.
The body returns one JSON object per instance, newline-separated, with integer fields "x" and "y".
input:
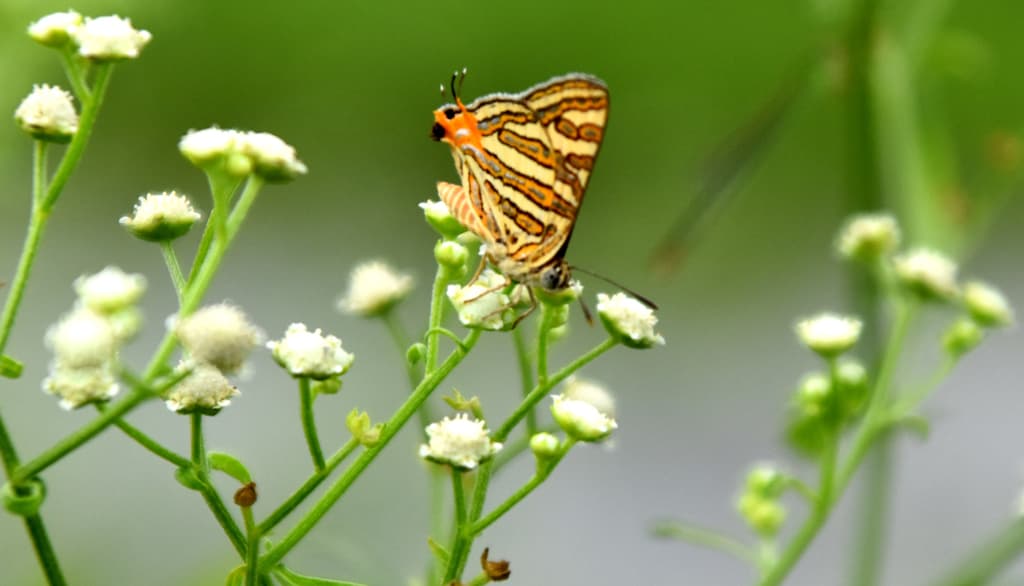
{"x": 450, "y": 113}
{"x": 437, "y": 132}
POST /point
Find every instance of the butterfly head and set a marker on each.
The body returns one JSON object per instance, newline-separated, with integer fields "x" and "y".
{"x": 556, "y": 275}
{"x": 454, "y": 123}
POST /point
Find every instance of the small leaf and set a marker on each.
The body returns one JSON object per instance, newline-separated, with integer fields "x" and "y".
{"x": 290, "y": 578}
{"x": 229, "y": 465}
{"x": 9, "y": 367}
{"x": 236, "y": 577}
{"x": 439, "y": 551}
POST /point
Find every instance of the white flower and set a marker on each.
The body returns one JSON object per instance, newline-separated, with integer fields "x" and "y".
{"x": 373, "y": 289}
{"x": 311, "y": 354}
{"x": 927, "y": 273}
{"x": 459, "y": 441}
{"x": 628, "y": 320}
{"x": 205, "y": 390}
{"x": 220, "y": 335}
{"x": 273, "y": 159}
{"x": 829, "y": 334}
{"x": 441, "y": 219}
{"x": 987, "y": 305}
{"x": 482, "y": 303}
{"x": 55, "y": 30}
{"x": 110, "y": 290}
{"x": 207, "y": 145}
{"x": 868, "y": 236}
{"x": 590, "y": 392}
{"x": 109, "y": 38}
{"x": 77, "y": 386}
{"x": 581, "y": 420}
{"x": 48, "y": 114}
{"x": 82, "y": 338}
{"x": 160, "y": 217}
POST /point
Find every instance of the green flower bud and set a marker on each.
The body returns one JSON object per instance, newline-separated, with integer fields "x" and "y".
{"x": 987, "y": 305}
{"x": 962, "y": 337}
{"x": 545, "y": 446}
{"x": 441, "y": 219}
{"x": 451, "y": 255}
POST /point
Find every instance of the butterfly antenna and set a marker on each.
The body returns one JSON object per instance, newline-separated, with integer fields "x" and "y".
{"x": 455, "y": 94}
{"x": 639, "y": 297}
{"x": 442, "y": 90}
{"x": 586, "y": 311}
{"x": 462, "y": 78}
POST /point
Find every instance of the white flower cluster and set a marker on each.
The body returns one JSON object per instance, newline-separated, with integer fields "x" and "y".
{"x": 86, "y": 341}
{"x": 242, "y": 153}
{"x": 48, "y": 114}
{"x": 373, "y": 289}
{"x": 484, "y": 304}
{"x": 829, "y": 334}
{"x": 628, "y": 320}
{"x": 310, "y": 354}
{"x": 459, "y": 441}
{"x": 106, "y": 38}
{"x": 161, "y": 217}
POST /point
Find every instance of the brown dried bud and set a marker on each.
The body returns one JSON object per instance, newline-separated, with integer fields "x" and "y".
{"x": 498, "y": 571}
{"x": 246, "y": 496}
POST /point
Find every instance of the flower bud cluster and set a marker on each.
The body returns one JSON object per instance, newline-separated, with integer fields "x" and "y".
{"x": 87, "y": 340}
{"x": 101, "y": 39}
{"x": 759, "y": 504}
{"x": 240, "y": 153}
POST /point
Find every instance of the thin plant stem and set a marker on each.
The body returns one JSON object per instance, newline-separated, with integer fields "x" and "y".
{"x": 149, "y": 443}
{"x": 44, "y": 550}
{"x": 309, "y": 424}
{"x": 436, "y": 316}
{"x": 988, "y": 560}
{"x": 174, "y": 269}
{"x": 355, "y": 470}
{"x": 252, "y": 551}
{"x": 525, "y": 377}
{"x": 706, "y": 538}
{"x": 198, "y": 445}
{"x": 540, "y": 390}
{"x": 401, "y": 340}
{"x": 39, "y": 172}
{"x": 459, "y": 534}
{"x": 222, "y": 515}
{"x": 542, "y": 344}
{"x": 307, "y": 487}
{"x": 74, "y": 74}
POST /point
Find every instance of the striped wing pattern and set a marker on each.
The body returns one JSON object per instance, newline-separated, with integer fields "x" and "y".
{"x": 524, "y": 161}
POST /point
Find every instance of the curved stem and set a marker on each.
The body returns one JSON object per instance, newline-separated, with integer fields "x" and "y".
{"x": 309, "y": 424}
{"x": 706, "y": 538}
{"x": 391, "y": 428}
{"x": 436, "y": 316}
{"x": 174, "y": 268}
{"x": 149, "y": 443}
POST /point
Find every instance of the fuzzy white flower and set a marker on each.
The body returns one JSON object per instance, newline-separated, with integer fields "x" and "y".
{"x": 829, "y": 334}
{"x": 273, "y": 159}
{"x": 581, "y": 389}
{"x": 459, "y": 441}
{"x": 373, "y": 289}
{"x": 81, "y": 339}
{"x": 78, "y": 386}
{"x": 55, "y": 30}
{"x": 628, "y": 320}
{"x": 987, "y": 305}
{"x": 310, "y": 354}
{"x": 109, "y": 38}
{"x": 928, "y": 273}
{"x": 207, "y": 145}
{"x": 48, "y": 114}
{"x": 160, "y": 217}
{"x": 220, "y": 335}
{"x": 205, "y": 390}
{"x": 482, "y": 303}
{"x": 581, "y": 420}
{"x": 110, "y": 290}
{"x": 868, "y": 236}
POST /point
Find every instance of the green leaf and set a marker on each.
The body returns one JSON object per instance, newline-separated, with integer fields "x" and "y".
{"x": 9, "y": 367}
{"x": 439, "y": 551}
{"x": 229, "y": 465}
{"x": 236, "y": 577}
{"x": 290, "y": 578}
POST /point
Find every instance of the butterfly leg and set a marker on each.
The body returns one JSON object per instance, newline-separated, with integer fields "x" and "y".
{"x": 533, "y": 306}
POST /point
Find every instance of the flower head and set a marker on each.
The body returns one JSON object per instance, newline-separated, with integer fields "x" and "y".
{"x": 109, "y": 38}
{"x": 589, "y": 391}
{"x": 829, "y": 334}
{"x": 373, "y": 289}
{"x": 205, "y": 389}
{"x": 441, "y": 219}
{"x": 273, "y": 159}
{"x": 459, "y": 441}
{"x": 868, "y": 237}
{"x": 483, "y": 304}
{"x": 206, "y": 146}
{"x": 55, "y": 30}
{"x": 310, "y": 354}
{"x": 48, "y": 114}
{"x": 161, "y": 217}
{"x": 987, "y": 305}
{"x": 581, "y": 420}
{"x": 80, "y": 385}
{"x": 220, "y": 335}
{"x": 628, "y": 320}
{"x": 110, "y": 290}
{"x": 927, "y": 273}
{"x": 81, "y": 339}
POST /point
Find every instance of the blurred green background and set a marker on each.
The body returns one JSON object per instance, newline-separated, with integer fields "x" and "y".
{"x": 352, "y": 86}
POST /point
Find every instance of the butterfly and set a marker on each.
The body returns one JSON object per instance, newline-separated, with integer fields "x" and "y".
{"x": 524, "y": 160}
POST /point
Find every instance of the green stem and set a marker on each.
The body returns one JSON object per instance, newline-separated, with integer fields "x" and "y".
{"x": 198, "y": 445}
{"x": 391, "y": 428}
{"x": 483, "y": 479}
{"x": 309, "y": 424}
{"x": 74, "y": 74}
{"x": 39, "y": 173}
{"x": 512, "y": 449}
{"x": 252, "y": 551}
{"x": 988, "y": 560}
{"x": 540, "y": 390}
{"x": 44, "y": 550}
{"x": 459, "y": 536}
{"x": 149, "y": 443}
{"x": 706, "y": 538}
{"x": 17, "y": 291}
{"x": 307, "y": 487}
{"x": 174, "y": 268}
{"x": 223, "y": 517}
{"x": 525, "y": 377}
{"x": 402, "y": 343}
{"x": 86, "y": 122}
{"x": 542, "y": 344}
{"x": 436, "y": 315}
